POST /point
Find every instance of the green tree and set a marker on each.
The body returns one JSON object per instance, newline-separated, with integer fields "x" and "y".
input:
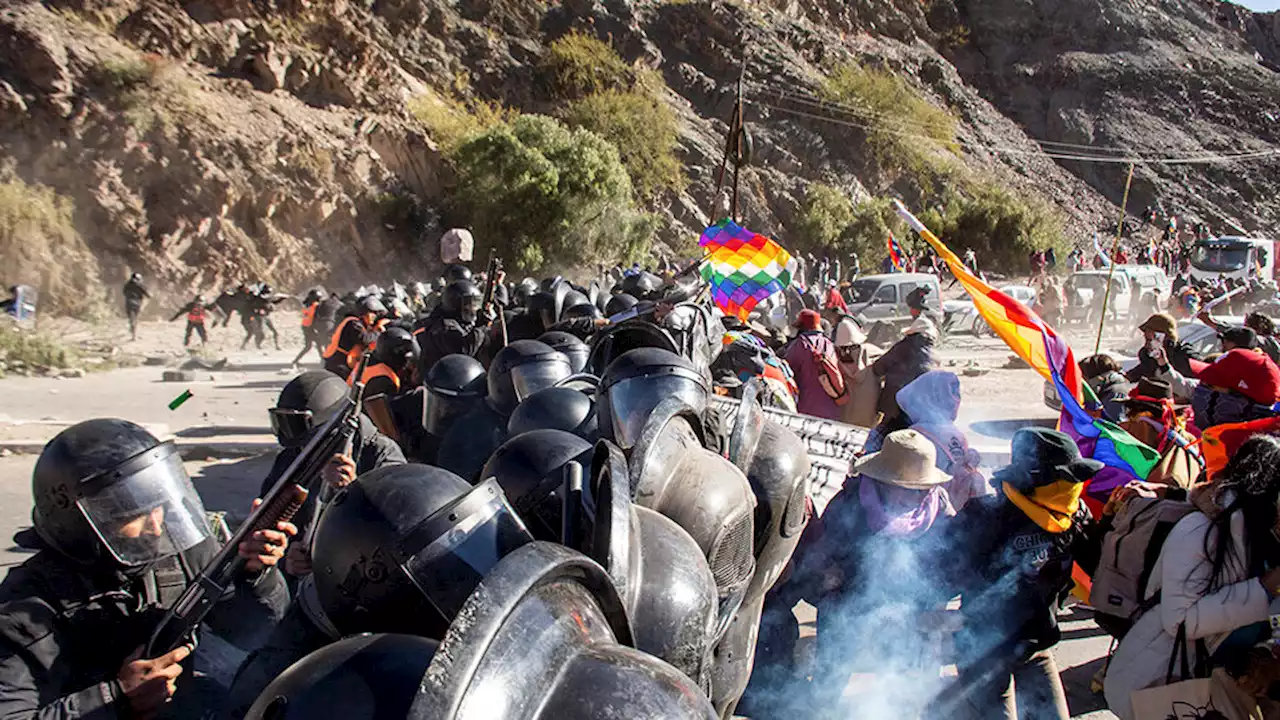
{"x": 1001, "y": 227}
{"x": 823, "y": 218}
{"x": 546, "y": 195}
{"x": 642, "y": 127}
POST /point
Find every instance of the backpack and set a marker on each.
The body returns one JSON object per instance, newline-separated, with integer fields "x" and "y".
{"x": 1129, "y": 554}
{"x": 830, "y": 377}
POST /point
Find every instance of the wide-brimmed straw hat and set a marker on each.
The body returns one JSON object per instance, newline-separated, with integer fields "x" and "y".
{"x": 907, "y": 459}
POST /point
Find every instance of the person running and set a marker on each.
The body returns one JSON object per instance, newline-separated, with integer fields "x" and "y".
{"x": 197, "y": 311}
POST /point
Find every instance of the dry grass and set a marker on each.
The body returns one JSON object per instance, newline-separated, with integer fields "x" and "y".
{"x": 40, "y": 246}
{"x": 452, "y": 122}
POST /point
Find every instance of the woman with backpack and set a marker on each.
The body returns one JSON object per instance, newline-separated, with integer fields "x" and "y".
{"x": 1217, "y": 572}
{"x": 812, "y": 357}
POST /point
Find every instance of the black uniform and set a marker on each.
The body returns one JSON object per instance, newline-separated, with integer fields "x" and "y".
{"x": 373, "y": 450}
{"x": 441, "y": 334}
{"x": 134, "y": 294}
{"x": 65, "y": 633}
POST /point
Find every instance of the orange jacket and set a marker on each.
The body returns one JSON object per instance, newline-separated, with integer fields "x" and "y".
{"x": 309, "y": 315}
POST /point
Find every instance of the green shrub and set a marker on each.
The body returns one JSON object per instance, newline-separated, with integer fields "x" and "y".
{"x": 34, "y": 350}
{"x": 823, "y": 218}
{"x": 40, "y": 246}
{"x": 643, "y": 128}
{"x": 1002, "y": 228}
{"x": 577, "y": 65}
{"x": 868, "y": 233}
{"x": 542, "y": 194}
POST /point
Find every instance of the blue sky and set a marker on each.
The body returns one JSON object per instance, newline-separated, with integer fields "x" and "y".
{"x": 1260, "y": 4}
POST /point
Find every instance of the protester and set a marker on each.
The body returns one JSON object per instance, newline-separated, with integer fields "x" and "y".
{"x": 134, "y": 294}
{"x": 1009, "y": 558}
{"x": 908, "y": 359}
{"x": 196, "y": 311}
{"x": 833, "y": 299}
{"x": 818, "y": 378}
{"x": 1181, "y": 356}
{"x": 1214, "y": 579}
{"x": 1240, "y": 385}
{"x": 932, "y": 403}
{"x": 874, "y": 550}
{"x": 1102, "y": 372}
{"x": 856, "y": 356}
{"x": 1266, "y": 330}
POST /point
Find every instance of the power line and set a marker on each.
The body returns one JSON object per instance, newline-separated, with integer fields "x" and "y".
{"x": 1006, "y": 150}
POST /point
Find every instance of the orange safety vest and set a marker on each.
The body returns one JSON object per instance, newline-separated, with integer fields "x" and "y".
{"x": 309, "y": 314}
{"x": 353, "y": 355}
{"x": 337, "y": 334}
{"x": 379, "y": 370}
{"x": 196, "y": 315}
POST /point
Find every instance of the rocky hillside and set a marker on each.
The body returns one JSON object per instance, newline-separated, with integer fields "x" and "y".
{"x": 201, "y": 141}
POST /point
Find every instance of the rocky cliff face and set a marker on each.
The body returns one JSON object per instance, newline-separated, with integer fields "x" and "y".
{"x": 206, "y": 140}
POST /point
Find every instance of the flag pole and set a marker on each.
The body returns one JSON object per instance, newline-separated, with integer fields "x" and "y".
{"x": 1111, "y": 266}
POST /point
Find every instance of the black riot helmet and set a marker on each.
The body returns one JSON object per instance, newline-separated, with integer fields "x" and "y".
{"x": 107, "y": 490}
{"x": 523, "y": 291}
{"x": 398, "y": 348}
{"x": 530, "y": 469}
{"x": 462, "y": 299}
{"x": 457, "y": 272}
{"x": 619, "y": 303}
{"x": 569, "y": 345}
{"x": 542, "y": 306}
{"x": 455, "y": 384}
{"x": 521, "y": 369}
{"x": 371, "y": 305}
{"x": 582, "y": 310}
{"x": 566, "y": 298}
{"x": 636, "y": 382}
{"x": 402, "y": 547}
{"x": 557, "y": 408}
{"x": 643, "y": 286}
{"x": 365, "y": 677}
{"x": 305, "y": 404}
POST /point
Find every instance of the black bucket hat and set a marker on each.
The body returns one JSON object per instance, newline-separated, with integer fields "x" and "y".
{"x": 1041, "y": 457}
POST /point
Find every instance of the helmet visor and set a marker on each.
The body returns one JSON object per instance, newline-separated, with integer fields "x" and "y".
{"x": 531, "y": 377}
{"x": 147, "y": 508}
{"x": 446, "y": 557}
{"x": 439, "y": 411}
{"x": 291, "y": 427}
{"x": 469, "y": 308}
{"x": 631, "y": 401}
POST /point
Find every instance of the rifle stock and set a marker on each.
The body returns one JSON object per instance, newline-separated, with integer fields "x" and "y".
{"x": 280, "y": 504}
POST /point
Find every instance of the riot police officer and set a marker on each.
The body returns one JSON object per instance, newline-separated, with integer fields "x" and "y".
{"x": 119, "y": 531}
{"x": 399, "y": 550}
{"x": 518, "y": 371}
{"x": 570, "y": 346}
{"x": 304, "y": 405}
{"x": 393, "y": 366}
{"x": 455, "y": 326}
{"x": 556, "y": 408}
{"x": 583, "y": 666}
{"x": 353, "y": 335}
{"x": 453, "y": 386}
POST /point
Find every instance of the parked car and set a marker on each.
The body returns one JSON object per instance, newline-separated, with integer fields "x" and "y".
{"x": 1202, "y": 339}
{"x": 883, "y": 298}
{"x": 960, "y": 316}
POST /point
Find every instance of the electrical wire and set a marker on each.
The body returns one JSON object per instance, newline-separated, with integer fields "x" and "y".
{"x": 1004, "y": 150}
{"x": 822, "y": 107}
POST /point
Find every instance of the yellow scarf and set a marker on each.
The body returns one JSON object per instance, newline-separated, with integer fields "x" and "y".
{"x": 1051, "y": 506}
